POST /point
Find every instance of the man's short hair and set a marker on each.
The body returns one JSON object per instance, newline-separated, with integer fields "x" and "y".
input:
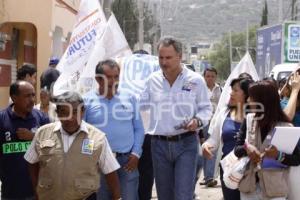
{"x": 140, "y": 51}
{"x": 109, "y": 62}
{"x": 210, "y": 69}
{"x": 170, "y": 41}
{"x": 24, "y": 70}
{"x": 69, "y": 97}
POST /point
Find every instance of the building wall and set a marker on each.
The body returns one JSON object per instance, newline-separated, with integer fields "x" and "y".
{"x": 38, "y": 20}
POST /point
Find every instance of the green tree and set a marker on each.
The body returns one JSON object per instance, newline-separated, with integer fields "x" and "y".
{"x": 219, "y": 57}
{"x": 264, "y": 17}
{"x": 126, "y": 12}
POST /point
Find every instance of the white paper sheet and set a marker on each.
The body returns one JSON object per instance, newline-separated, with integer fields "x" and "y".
{"x": 285, "y": 139}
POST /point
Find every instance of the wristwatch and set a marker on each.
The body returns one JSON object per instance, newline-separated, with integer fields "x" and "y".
{"x": 199, "y": 121}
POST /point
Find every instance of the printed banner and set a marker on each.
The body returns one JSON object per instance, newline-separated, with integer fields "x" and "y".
{"x": 89, "y": 27}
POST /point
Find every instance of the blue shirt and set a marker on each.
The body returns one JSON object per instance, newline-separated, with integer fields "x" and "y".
{"x": 296, "y": 119}
{"x": 118, "y": 118}
{"x": 229, "y": 131}
{"x": 14, "y": 175}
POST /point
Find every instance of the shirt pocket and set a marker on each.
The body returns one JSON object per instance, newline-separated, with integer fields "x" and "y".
{"x": 47, "y": 147}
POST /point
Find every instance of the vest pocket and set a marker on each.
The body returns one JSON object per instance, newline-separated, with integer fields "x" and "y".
{"x": 47, "y": 147}
{"x": 86, "y": 186}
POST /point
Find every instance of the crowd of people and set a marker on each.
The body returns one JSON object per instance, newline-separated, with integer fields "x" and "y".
{"x": 95, "y": 146}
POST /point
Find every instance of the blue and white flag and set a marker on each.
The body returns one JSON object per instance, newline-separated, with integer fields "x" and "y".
{"x": 89, "y": 27}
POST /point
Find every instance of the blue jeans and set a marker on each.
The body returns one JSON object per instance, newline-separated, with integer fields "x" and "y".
{"x": 199, "y": 167}
{"x": 208, "y": 164}
{"x": 129, "y": 182}
{"x": 174, "y": 165}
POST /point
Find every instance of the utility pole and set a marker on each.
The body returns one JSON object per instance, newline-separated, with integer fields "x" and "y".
{"x": 247, "y": 37}
{"x": 293, "y": 9}
{"x": 280, "y": 7}
{"x": 230, "y": 50}
{"x": 141, "y": 23}
{"x": 106, "y": 5}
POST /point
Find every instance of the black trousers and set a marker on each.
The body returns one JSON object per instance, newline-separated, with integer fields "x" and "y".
{"x": 228, "y": 194}
{"x": 146, "y": 178}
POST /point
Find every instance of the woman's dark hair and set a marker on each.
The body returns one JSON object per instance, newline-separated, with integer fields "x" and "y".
{"x": 245, "y": 75}
{"x": 272, "y": 81}
{"x": 266, "y": 93}
{"x": 244, "y": 85}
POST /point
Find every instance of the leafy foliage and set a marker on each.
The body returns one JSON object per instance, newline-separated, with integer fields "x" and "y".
{"x": 219, "y": 57}
{"x": 126, "y": 12}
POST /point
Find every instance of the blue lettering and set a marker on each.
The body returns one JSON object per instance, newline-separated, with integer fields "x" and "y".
{"x": 82, "y": 40}
{"x": 88, "y": 37}
{"x": 137, "y": 68}
{"x": 78, "y": 46}
{"x": 146, "y": 70}
{"x": 71, "y": 50}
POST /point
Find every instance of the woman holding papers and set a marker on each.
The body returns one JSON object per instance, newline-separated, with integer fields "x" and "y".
{"x": 266, "y": 175}
{"x": 291, "y": 107}
{"x": 228, "y": 124}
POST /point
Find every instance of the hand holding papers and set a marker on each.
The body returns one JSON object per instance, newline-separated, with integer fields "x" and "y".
{"x": 285, "y": 139}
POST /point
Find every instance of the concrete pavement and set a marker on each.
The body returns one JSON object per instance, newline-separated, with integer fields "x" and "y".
{"x": 203, "y": 192}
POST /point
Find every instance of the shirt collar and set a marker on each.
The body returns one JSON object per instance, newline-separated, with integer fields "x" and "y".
{"x": 13, "y": 114}
{"x": 82, "y": 128}
{"x": 102, "y": 97}
{"x": 180, "y": 75}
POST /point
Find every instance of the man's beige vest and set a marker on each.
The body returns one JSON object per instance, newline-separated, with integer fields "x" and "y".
{"x": 72, "y": 175}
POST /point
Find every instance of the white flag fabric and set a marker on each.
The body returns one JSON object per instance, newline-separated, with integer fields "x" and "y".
{"x": 88, "y": 28}
{"x": 244, "y": 66}
{"x": 135, "y": 70}
{"x": 112, "y": 44}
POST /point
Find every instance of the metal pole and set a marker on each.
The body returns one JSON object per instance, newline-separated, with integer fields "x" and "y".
{"x": 230, "y": 50}
{"x": 247, "y": 37}
{"x": 107, "y": 8}
{"x": 124, "y": 24}
{"x": 141, "y": 24}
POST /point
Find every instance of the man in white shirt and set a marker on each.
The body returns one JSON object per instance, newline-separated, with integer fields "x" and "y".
{"x": 214, "y": 92}
{"x": 179, "y": 105}
{"x": 65, "y": 157}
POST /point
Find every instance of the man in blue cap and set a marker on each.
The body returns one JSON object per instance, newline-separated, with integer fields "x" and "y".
{"x": 51, "y": 74}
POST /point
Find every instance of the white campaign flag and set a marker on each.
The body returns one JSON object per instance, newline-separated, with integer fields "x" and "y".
{"x": 244, "y": 66}
{"x": 112, "y": 44}
{"x": 135, "y": 70}
{"x": 88, "y": 28}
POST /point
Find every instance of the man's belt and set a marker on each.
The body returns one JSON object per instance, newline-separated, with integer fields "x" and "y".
{"x": 174, "y": 137}
{"x": 122, "y": 154}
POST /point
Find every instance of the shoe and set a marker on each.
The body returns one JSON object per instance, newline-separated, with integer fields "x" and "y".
{"x": 211, "y": 183}
{"x": 196, "y": 197}
{"x": 204, "y": 182}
